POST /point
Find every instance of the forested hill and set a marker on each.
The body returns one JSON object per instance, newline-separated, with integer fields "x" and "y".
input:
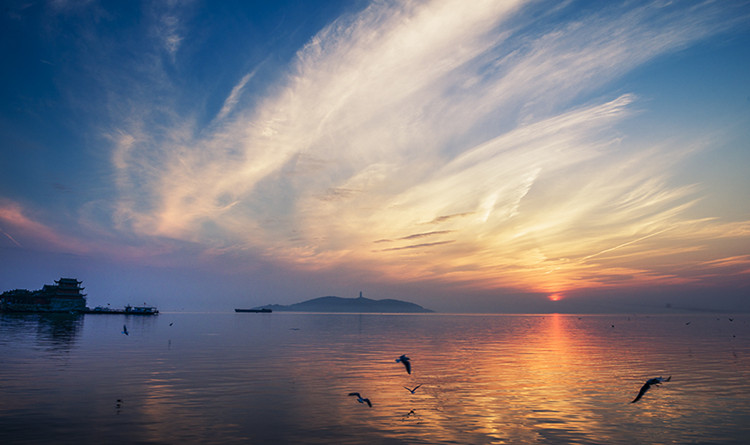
{"x": 338, "y": 304}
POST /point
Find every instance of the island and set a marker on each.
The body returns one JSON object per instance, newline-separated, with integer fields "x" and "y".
{"x": 356, "y": 305}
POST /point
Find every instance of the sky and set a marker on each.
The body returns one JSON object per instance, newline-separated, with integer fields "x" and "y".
{"x": 490, "y": 156}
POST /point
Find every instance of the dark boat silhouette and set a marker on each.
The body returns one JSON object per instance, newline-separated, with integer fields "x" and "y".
{"x": 262, "y": 310}
{"x": 129, "y": 310}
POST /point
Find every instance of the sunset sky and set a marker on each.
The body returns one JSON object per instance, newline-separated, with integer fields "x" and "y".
{"x": 482, "y": 156}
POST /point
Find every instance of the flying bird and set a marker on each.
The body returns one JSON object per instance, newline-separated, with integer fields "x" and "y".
{"x": 360, "y": 399}
{"x": 125, "y": 330}
{"x": 405, "y": 360}
{"x": 412, "y": 390}
{"x": 646, "y": 386}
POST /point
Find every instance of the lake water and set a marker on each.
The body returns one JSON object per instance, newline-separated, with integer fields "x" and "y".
{"x": 284, "y": 378}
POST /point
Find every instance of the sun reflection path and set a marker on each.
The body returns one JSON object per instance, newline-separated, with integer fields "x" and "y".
{"x": 524, "y": 379}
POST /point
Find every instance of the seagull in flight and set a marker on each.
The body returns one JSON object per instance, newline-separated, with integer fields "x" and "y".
{"x": 125, "y": 330}
{"x": 646, "y": 386}
{"x": 360, "y": 399}
{"x": 405, "y": 360}
{"x": 412, "y": 390}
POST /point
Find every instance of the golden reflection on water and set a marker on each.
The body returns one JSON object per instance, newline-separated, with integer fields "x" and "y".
{"x": 484, "y": 379}
{"x": 556, "y": 378}
{"x": 523, "y": 384}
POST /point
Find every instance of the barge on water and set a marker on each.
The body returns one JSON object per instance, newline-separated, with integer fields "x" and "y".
{"x": 260, "y": 311}
{"x": 129, "y": 310}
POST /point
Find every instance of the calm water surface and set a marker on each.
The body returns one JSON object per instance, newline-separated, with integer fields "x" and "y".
{"x": 284, "y": 378}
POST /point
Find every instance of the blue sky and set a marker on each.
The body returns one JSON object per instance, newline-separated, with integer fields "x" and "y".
{"x": 490, "y": 156}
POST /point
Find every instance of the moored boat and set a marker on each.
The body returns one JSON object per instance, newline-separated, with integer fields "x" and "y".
{"x": 129, "y": 310}
{"x": 262, "y": 311}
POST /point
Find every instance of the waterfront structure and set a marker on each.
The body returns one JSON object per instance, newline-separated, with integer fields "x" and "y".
{"x": 129, "y": 310}
{"x": 63, "y": 296}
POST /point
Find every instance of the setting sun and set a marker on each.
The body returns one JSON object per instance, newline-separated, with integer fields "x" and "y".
{"x": 555, "y": 297}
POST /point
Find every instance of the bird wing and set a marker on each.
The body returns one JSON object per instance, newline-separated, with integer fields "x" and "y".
{"x": 643, "y": 390}
{"x": 408, "y": 365}
{"x": 368, "y": 402}
{"x": 354, "y": 394}
{"x": 415, "y": 388}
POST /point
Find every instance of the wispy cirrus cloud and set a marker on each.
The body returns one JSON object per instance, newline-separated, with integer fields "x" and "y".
{"x": 15, "y": 220}
{"x": 487, "y": 124}
{"x": 166, "y": 21}
{"x": 23, "y": 229}
{"x": 234, "y": 97}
